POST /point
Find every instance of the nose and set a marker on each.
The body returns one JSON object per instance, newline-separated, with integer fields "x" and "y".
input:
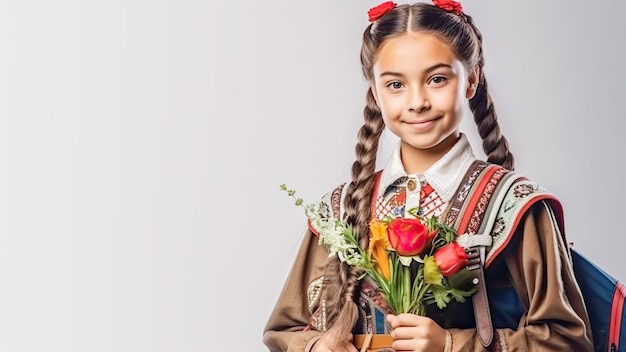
{"x": 418, "y": 101}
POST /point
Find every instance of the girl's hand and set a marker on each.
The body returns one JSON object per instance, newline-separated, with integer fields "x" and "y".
{"x": 322, "y": 345}
{"x": 416, "y": 333}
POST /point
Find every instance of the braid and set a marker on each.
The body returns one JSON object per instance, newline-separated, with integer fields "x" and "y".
{"x": 358, "y": 198}
{"x": 342, "y": 312}
{"x": 495, "y": 144}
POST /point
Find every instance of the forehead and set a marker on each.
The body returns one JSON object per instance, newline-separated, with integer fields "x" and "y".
{"x": 413, "y": 51}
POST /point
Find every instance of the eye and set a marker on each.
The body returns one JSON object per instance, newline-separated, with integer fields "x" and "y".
{"x": 438, "y": 80}
{"x": 394, "y": 85}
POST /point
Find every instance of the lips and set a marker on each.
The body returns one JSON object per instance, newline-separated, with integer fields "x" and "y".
{"x": 422, "y": 125}
{"x": 422, "y": 122}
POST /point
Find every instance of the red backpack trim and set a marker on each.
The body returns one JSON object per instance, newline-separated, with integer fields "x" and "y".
{"x": 617, "y": 308}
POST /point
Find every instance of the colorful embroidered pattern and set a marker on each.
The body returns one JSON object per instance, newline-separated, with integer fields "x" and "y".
{"x": 483, "y": 201}
{"x": 373, "y": 309}
{"x": 313, "y": 293}
{"x": 392, "y": 202}
{"x": 463, "y": 191}
{"x": 335, "y": 201}
{"x": 499, "y": 343}
{"x": 517, "y": 199}
{"x": 431, "y": 203}
{"x": 317, "y": 320}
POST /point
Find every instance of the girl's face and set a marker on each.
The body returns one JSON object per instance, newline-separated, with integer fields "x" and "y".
{"x": 422, "y": 90}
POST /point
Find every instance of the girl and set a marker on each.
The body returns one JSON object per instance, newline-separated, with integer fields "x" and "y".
{"x": 424, "y": 65}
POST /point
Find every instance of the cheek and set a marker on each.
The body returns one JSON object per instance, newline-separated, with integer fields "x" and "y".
{"x": 391, "y": 104}
{"x": 450, "y": 99}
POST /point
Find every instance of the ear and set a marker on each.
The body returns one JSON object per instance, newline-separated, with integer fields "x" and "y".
{"x": 472, "y": 82}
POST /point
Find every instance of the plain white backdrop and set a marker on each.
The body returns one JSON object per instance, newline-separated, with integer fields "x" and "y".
{"x": 142, "y": 144}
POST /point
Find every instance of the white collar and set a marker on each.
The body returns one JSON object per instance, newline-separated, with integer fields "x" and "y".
{"x": 445, "y": 175}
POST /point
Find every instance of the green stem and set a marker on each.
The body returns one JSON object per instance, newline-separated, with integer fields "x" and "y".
{"x": 421, "y": 308}
{"x": 407, "y": 289}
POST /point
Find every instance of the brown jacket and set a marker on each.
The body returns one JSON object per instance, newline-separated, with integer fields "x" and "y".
{"x": 537, "y": 259}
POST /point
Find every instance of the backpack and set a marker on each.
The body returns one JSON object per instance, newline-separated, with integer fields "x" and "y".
{"x": 603, "y": 294}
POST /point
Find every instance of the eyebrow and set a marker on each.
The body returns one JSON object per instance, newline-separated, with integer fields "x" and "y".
{"x": 428, "y": 70}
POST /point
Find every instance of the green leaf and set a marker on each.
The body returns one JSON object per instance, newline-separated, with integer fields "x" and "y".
{"x": 432, "y": 274}
{"x": 414, "y": 212}
{"x": 461, "y": 295}
{"x": 441, "y": 298}
{"x": 462, "y": 279}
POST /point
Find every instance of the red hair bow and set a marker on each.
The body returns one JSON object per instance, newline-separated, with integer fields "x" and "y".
{"x": 379, "y": 11}
{"x": 449, "y": 5}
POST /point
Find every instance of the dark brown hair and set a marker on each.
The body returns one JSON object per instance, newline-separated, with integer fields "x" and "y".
{"x": 459, "y": 31}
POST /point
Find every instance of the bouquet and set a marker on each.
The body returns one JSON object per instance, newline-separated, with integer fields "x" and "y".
{"x": 415, "y": 262}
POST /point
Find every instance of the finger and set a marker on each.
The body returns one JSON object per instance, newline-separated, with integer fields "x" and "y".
{"x": 392, "y": 320}
{"x": 404, "y": 333}
{"x": 407, "y": 345}
{"x": 407, "y": 319}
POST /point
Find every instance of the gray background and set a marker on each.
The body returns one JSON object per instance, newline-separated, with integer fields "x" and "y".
{"x": 142, "y": 144}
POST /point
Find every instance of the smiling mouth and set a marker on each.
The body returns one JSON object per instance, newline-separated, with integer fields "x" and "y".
{"x": 425, "y": 122}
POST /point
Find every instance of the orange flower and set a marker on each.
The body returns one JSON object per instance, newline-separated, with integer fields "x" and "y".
{"x": 379, "y": 242}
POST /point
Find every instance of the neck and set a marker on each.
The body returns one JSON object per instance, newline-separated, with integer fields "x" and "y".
{"x": 416, "y": 161}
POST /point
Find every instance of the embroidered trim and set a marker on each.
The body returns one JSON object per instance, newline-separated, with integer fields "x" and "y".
{"x": 373, "y": 309}
{"x": 328, "y": 209}
{"x": 506, "y": 197}
{"x": 322, "y": 326}
{"x": 522, "y": 194}
{"x": 500, "y": 342}
{"x": 318, "y": 319}
{"x": 313, "y": 293}
{"x": 464, "y": 191}
{"x": 481, "y": 206}
{"x": 335, "y": 201}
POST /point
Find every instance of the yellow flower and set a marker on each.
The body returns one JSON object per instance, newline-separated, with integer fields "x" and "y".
{"x": 379, "y": 242}
{"x": 432, "y": 274}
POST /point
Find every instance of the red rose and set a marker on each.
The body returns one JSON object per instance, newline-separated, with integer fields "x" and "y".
{"x": 450, "y": 258}
{"x": 379, "y": 11}
{"x": 408, "y": 237}
{"x": 449, "y": 5}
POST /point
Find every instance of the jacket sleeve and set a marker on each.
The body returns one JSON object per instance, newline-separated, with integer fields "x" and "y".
{"x": 289, "y": 327}
{"x": 556, "y": 317}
